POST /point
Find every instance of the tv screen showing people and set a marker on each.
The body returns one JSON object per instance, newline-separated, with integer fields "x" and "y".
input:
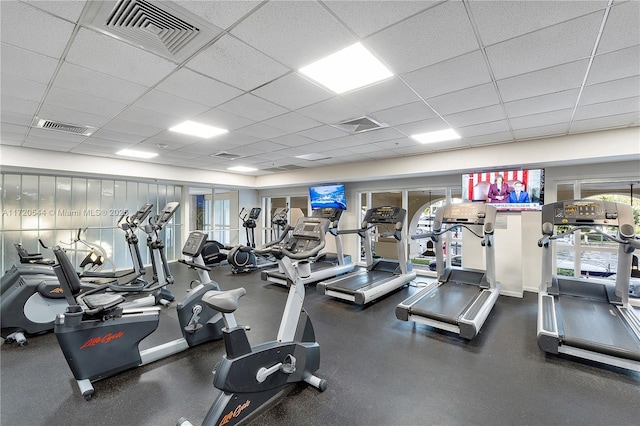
{"x": 507, "y": 190}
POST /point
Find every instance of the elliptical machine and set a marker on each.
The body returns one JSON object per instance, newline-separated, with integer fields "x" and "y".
{"x": 243, "y": 258}
{"x": 90, "y": 336}
{"x": 248, "y": 377}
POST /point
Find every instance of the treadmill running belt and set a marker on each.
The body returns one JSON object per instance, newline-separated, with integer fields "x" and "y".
{"x": 352, "y": 282}
{"x": 447, "y": 302}
{"x": 596, "y": 326}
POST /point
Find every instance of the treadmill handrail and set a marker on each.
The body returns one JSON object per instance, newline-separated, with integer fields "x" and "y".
{"x": 591, "y": 228}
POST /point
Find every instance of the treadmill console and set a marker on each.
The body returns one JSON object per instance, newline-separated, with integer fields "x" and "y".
{"x": 331, "y": 213}
{"x": 194, "y": 244}
{"x": 584, "y": 212}
{"x": 468, "y": 213}
{"x": 384, "y": 214}
{"x": 307, "y": 235}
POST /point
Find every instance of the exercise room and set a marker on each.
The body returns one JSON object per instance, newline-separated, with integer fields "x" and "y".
{"x": 319, "y": 212}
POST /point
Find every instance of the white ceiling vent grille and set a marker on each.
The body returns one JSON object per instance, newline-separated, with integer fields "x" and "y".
{"x": 160, "y": 27}
{"x": 359, "y": 125}
{"x": 223, "y": 154}
{"x": 63, "y": 127}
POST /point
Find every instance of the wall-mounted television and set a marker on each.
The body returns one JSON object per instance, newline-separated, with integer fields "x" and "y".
{"x": 507, "y": 190}
{"x": 328, "y": 196}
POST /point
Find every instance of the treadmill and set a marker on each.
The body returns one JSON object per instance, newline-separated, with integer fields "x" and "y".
{"x": 461, "y": 299}
{"x": 326, "y": 265}
{"x": 586, "y": 317}
{"x": 382, "y": 276}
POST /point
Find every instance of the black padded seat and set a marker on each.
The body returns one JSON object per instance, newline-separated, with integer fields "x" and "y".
{"x": 224, "y": 301}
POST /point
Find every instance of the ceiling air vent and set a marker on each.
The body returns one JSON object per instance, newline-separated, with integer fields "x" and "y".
{"x": 359, "y": 125}
{"x": 223, "y": 154}
{"x": 159, "y": 27}
{"x": 63, "y": 127}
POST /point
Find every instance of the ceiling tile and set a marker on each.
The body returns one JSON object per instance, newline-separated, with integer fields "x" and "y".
{"x": 332, "y": 111}
{"x": 18, "y": 87}
{"x": 386, "y": 94}
{"x": 476, "y": 116}
{"x": 490, "y": 139}
{"x": 367, "y": 17}
{"x": 541, "y": 131}
{"x": 110, "y": 56}
{"x": 407, "y": 113}
{"x": 440, "y": 33}
{"x": 559, "y": 44}
{"x": 222, "y": 119}
{"x": 12, "y": 132}
{"x": 70, "y": 116}
{"x": 271, "y": 29}
{"x": 233, "y": 62}
{"x": 102, "y": 135}
{"x": 84, "y": 80}
{"x": 463, "y": 100}
{"x": 322, "y": 133}
{"x": 132, "y": 128}
{"x": 499, "y": 21}
{"x": 499, "y": 126}
{"x": 27, "y": 64}
{"x": 69, "y": 10}
{"x": 147, "y": 117}
{"x": 252, "y": 107}
{"x": 615, "y": 65}
{"x": 82, "y": 102}
{"x": 292, "y": 140}
{"x": 198, "y": 88}
{"x": 15, "y": 118}
{"x": 422, "y": 126}
{"x": 292, "y": 122}
{"x": 604, "y": 109}
{"x": 464, "y": 71}
{"x": 50, "y": 144}
{"x": 262, "y": 131}
{"x": 17, "y": 105}
{"x": 57, "y": 135}
{"x": 50, "y": 39}
{"x": 544, "y": 103}
{"x": 609, "y": 122}
{"x": 220, "y": 13}
{"x": 155, "y": 100}
{"x": 621, "y": 28}
{"x": 292, "y": 91}
{"x": 550, "y": 80}
{"x": 544, "y": 119}
{"x": 611, "y": 90}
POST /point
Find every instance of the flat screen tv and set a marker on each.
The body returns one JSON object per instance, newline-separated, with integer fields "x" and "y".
{"x": 328, "y": 196}
{"x": 520, "y": 190}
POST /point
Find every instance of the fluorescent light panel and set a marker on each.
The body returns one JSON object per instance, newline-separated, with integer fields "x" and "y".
{"x": 348, "y": 69}
{"x": 136, "y": 154}
{"x": 438, "y": 136}
{"x": 242, "y": 169}
{"x": 198, "y": 129}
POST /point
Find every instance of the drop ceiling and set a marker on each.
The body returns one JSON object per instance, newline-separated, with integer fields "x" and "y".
{"x": 495, "y": 71}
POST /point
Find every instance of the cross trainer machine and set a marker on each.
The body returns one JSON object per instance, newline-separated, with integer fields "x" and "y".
{"x": 30, "y": 300}
{"x": 244, "y": 258}
{"x": 381, "y": 276}
{"x": 102, "y": 339}
{"x": 249, "y": 378}
{"x": 326, "y": 265}
{"x": 461, "y": 299}
{"x": 586, "y": 317}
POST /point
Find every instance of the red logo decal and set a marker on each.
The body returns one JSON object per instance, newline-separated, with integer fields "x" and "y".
{"x": 104, "y": 339}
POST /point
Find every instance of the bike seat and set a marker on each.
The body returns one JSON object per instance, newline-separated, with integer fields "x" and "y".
{"x": 224, "y": 301}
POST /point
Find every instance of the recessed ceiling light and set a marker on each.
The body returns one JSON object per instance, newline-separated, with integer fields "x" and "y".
{"x": 348, "y": 69}
{"x": 438, "y": 136}
{"x": 242, "y": 169}
{"x": 197, "y": 129}
{"x": 136, "y": 154}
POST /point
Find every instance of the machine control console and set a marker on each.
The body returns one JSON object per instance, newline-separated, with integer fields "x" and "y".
{"x": 581, "y": 212}
{"x": 194, "y": 244}
{"x": 167, "y": 213}
{"x": 385, "y": 214}
{"x": 307, "y": 235}
{"x": 141, "y": 214}
{"x": 469, "y": 213}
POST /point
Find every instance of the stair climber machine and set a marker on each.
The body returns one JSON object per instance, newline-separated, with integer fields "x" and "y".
{"x": 461, "y": 299}
{"x": 243, "y": 258}
{"x": 589, "y": 318}
{"x": 381, "y": 276}
{"x": 250, "y": 378}
{"x": 99, "y": 338}
{"x": 326, "y": 265}
{"x": 30, "y": 300}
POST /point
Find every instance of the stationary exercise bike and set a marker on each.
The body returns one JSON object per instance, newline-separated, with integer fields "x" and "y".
{"x": 249, "y": 378}
{"x": 100, "y": 339}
